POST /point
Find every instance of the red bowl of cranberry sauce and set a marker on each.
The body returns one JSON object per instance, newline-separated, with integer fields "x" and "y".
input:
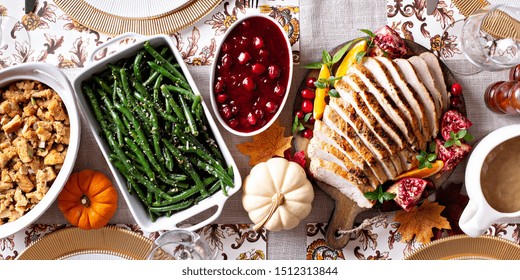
{"x": 251, "y": 75}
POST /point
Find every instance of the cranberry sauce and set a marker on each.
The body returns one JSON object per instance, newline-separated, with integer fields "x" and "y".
{"x": 252, "y": 74}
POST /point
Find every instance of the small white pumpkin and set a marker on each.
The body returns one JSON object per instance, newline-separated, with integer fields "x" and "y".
{"x": 277, "y": 194}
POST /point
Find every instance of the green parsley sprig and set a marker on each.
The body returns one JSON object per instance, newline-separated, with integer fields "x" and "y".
{"x": 379, "y": 195}
{"x": 456, "y": 138}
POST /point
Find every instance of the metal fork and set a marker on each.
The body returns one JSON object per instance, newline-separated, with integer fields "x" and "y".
{"x": 252, "y": 3}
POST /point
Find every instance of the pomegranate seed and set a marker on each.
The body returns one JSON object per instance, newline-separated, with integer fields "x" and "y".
{"x": 456, "y": 102}
{"x": 248, "y": 84}
{"x": 274, "y": 72}
{"x": 221, "y": 98}
{"x": 243, "y": 58}
{"x": 456, "y": 89}
{"x": 279, "y": 90}
{"x": 258, "y": 42}
{"x": 251, "y": 119}
{"x": 258, "y": 68}
{"x": 219, "y": 86}
{"x": 233, "y": 123}
{"x": 263, "y": 53}
{"x": 310, "y": 83}
{"x": 271, "y": 107}
{"x": 307, "y": 93}
{"x": 299, "y": 114}
{"x": 226, "y": 112}
{"x": 307, "y": 133}
{"x": 226, "y": 61}
{"x": 307, "y": 106}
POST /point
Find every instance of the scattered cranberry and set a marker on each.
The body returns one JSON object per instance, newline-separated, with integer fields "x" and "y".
{"x": 307, "y": 106}
{"x": 271, "y": 107}
{"x": 258, "y": 42}
{"x": 251, "y": 119}
{"x": 307, "y": 133}
{"x": 310, "y": 83}
{"x": 307, "y": 93}
{"x": 259, "y": 113}
{"x": 299, "y": 114}
{"x": 311, "y": 120}
{"x": 279, "y": 90}
{"x": 246, "y": 24}
{"x": 456, "y": 102}
{"x": 226, "y": 112}
{"x": 263, "y": 53}
{"x": 225, "y": 47}
{"x": 274, "y": 72}
{"x": 233, "y": 123}
{"x": 234, "y": 110}
{"x": 244, "y": 57}
{"x": 456, "y": 89}
{"x": 248, "y": 84}
{"x": 243, "y": 42}
{"x": 226, "y": 62}
{"x": 221, "y": 98}
{"x": 258, "y": 68}
{"x": 219, "y": 86}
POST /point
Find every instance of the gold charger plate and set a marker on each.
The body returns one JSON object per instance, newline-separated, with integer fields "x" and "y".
{"x": 109, "y": 242}
{"x": 463, "y": 247}
{"x": 165, "y": 23}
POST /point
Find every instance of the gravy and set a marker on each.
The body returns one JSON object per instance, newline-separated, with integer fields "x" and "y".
{"x": 500, "y": 177}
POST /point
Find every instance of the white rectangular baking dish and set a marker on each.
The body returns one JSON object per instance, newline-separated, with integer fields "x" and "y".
{"x": 137, "y": 209}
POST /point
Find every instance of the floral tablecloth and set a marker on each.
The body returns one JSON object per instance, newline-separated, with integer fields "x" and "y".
{"x": 381, "y": 241}
{"x": 58, "y": 39}
{"x": 229, "y": 241}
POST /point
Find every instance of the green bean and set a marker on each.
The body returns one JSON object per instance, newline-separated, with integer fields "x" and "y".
{"x": 137, "y": 66}
{"x": 172, "y": 207}
{"x": 167, "y": 74}
{"x": 130, "y": 181}
{"x": 168, "y": 159}
{"x": 213, "y": 171}
{"x": 97, "y": 110}
{"x": 189, "y": 117}
{"x": 212, "y": 190}
{"x": 160, "y": 59}
{"x": 102, "y": 84}
{"x": 141, "y": 158}
{"x": 176, "y": 109}
{"x": 190, "y": 95}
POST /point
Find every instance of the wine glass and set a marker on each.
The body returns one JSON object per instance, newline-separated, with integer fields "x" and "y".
{"x": 490, "y": 37}
{"x": 14, "y": 42}
{"x": 180, "y": 245}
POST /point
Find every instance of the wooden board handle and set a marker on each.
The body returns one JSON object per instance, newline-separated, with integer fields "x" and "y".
{"x": 343, "y": 217}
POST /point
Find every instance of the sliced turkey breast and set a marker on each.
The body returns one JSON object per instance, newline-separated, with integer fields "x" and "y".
{"x": 385, "y": 100}
{"x": 349, "y": 120}
{"x": 318, "y": 148}
{"x": 409, "y": 94}
{"x": 424, "y": 74}
{"x": 330, "y": 119}
{"x": 438, "y": 77}
{"x": 385, "y": 80}
{"x": 424, "y": 95}
{"x": 334, "y": 175}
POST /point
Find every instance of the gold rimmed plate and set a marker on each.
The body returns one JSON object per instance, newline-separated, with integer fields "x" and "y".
{"x": 116, "y": 17}
{"x": 109, "y": 243}
{"x": 463, "y": 247}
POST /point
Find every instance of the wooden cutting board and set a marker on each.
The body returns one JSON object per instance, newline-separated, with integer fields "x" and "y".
{"x": 346, "y": 210}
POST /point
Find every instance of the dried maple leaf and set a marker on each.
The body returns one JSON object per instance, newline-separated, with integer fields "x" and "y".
{"x": 266, "y": 145}
{"x": 420, "y": 221}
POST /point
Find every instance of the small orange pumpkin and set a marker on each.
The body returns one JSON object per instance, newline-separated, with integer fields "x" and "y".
{"x": 88, "y": 199}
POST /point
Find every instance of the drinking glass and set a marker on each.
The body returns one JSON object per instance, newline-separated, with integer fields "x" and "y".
{"x": 180, "y": 245}
{"x": 14, "y": 42}
{"x": 490, "y": 37}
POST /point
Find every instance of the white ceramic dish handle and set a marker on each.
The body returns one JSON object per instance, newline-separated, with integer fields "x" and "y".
{"x": 220, "y": 207}
{"x": 111, "y": 42}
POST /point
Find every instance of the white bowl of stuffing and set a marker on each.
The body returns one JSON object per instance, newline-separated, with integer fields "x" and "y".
{"x": 39, "y": 141}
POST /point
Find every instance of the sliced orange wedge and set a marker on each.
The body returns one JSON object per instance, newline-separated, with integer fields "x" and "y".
{"x": 350, "y": 58}
{"x": 423, "y": 172}
{"x": 321, "y": 94}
